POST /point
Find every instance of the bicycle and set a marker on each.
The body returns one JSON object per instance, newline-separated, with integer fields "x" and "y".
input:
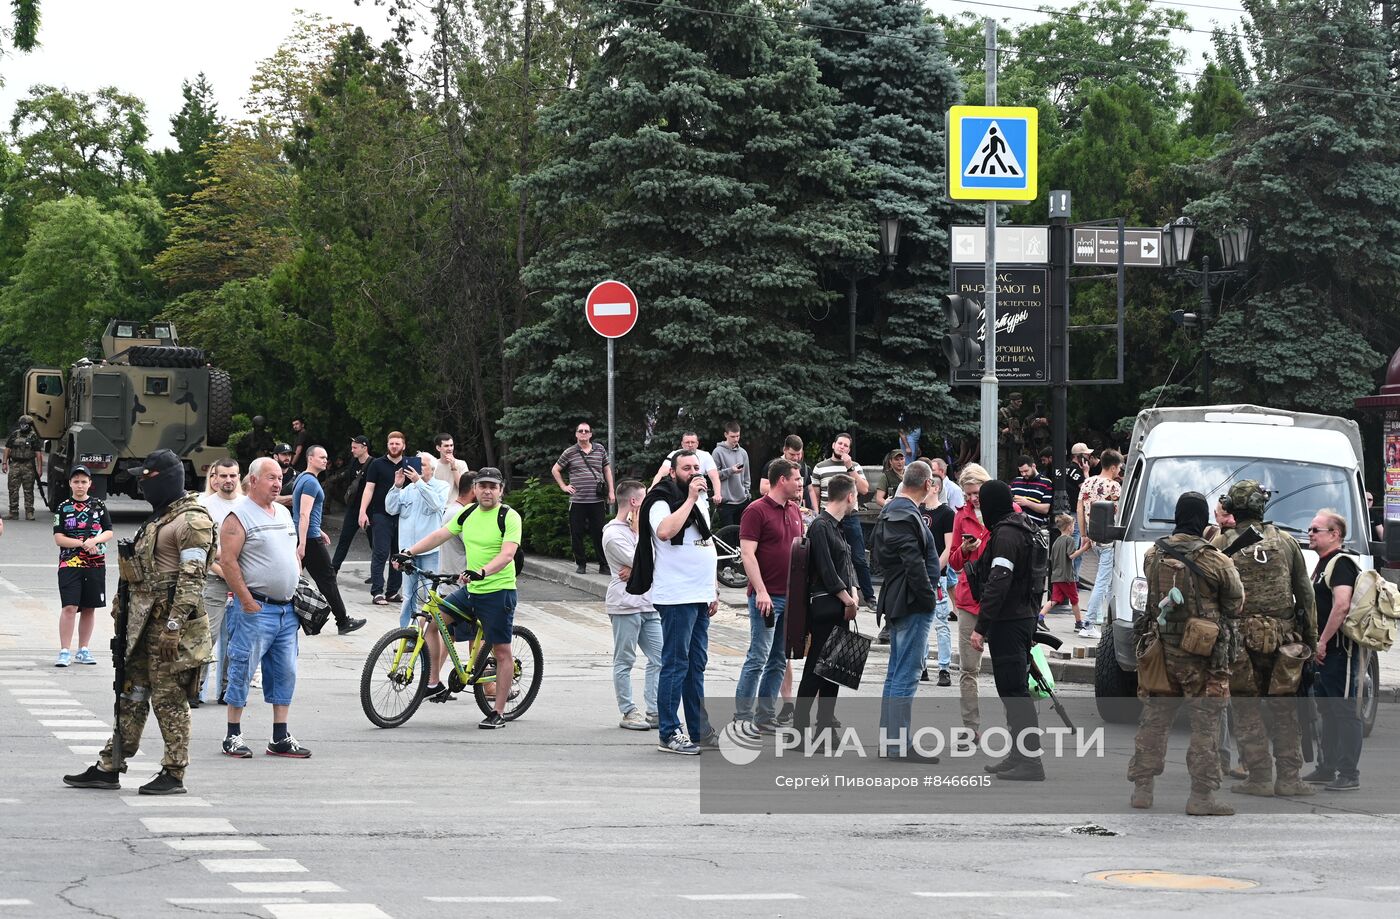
{"x": 729, "y": 564}
{"x": 394, "y": 681}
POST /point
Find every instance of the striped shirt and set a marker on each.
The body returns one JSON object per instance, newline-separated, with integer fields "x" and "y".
{"x": 823, "y": 472}
{"x": 1039, "y": 489}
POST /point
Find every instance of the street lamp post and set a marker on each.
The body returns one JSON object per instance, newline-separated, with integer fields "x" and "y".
{"x": 1234, "y": 253}
{"x": 889, "y": 248}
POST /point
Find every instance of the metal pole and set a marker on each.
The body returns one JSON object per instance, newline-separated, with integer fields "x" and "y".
{"x": 851, "y": 303}
{"x": 1060, "y": 260}
{"x": 612, "y": 457}
{"x": 989, "y": 316}
{"x": 1205, "y": 325}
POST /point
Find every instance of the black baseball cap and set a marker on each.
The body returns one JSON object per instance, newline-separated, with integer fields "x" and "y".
{"x": 360, "y": 439}
{"x": 490, "y": 474}
{"x": 79, "y": 470}
{"x": 159, "y": 461}
{"x": 282, "y": 448}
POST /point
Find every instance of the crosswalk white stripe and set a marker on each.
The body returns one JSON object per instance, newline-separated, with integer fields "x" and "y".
{"x": 68, "y": 723}
{"x": 215, "y": 844}
{"x": 328, "y": 911}
{"x": 164, "y": 801}
{"x": 491, "y": 899}
{"x": 184, "y": 825}
{"x": 82, "y": 735}
{"x": 286, "y": 887}
{"x": 252, "y": 865}
{"x": 220, "y": 901}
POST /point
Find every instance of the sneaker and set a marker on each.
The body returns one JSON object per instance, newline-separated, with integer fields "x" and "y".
{"x": 93, "y": 777}
{"x": 653, "y": 720}
{"x": 1079, "y": 627}
{"x": 884, "y": 637}
{"x": 709, "y": 742}
{"x": 680, "y": 744}
{"x": 65, "y": 657}
{"x": 634, "y": 721}
{"x": 491, "y": 722}
{"x": 1320, "y": 776}
{"x": 787, "y": 713}
{"x": 84, "y": 656}
{"x": 350, "y": 625}
{"x": 235, "y": 747}
{"x": 394, "y": 598}
{"x": 580, "y": 568}
{"x": 604, "y": 569}
{"x": 1092, "y": 633}
{"x": 1040, "y": 621}
{"x": 945, "y": 678}
{"x": 369, "y": 580}
{"x": 923, "y": 675}
{"x": 1342, "y": 783}
{"x": 764, "y": 728}
{"x": 380, "y": 600}
{"x": 439, "y": 693}
{"x": 163, "y": 784}
{"x": 952, "y": 617}
{"x": 288, "y": 747}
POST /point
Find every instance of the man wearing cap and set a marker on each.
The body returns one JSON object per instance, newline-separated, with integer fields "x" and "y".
{"x": 258, "y": 552}
{"x": 167, "y": 632}
{"x": 490, "y": 533}
{"x": 283, "y": 453}
{"x": 80, "y": 527}
{"x": 351, "y": 485}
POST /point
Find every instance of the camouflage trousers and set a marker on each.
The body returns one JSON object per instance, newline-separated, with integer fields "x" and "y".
{"x": 151, "y": 687}
{"x": 1204, "y": 693}
{"x": 1260, "y": 718}
{"x": 22, "y": 475}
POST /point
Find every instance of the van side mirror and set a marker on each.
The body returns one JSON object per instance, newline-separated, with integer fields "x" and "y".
{"x": 1101, "y": 528}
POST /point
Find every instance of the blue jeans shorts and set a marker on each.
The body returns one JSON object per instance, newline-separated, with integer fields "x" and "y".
{"x": 496, "y": 610}
{"x": 268, "y": 637}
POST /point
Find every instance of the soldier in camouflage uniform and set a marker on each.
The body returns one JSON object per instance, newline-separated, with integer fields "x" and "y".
{"x": 1279, "y": 608}
{"x": 23, "y": 463}
{"x": 167, "y": 629}
{"x": 1209, "y": 589}
{"x": 1011, "y": 435}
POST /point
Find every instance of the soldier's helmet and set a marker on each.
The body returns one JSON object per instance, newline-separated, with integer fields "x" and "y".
{"x": 27, "y": 419}
{"x": 1246, "y": 498}
{"x": 259, "y": 421}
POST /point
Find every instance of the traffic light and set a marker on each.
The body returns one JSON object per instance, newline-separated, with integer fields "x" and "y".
{"x": 960, "y": 343}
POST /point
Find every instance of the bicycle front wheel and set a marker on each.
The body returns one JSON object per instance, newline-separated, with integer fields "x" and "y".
{"x": 528, "y": 662}
{"x": 393, "y": 682}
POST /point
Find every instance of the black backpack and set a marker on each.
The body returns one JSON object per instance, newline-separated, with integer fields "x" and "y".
{"x": 976, "y": 571}
{"x": 500, "y": 522}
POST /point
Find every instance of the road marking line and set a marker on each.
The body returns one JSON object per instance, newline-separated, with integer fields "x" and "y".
{"x": 328, "y": 911}
{"x": 16, "y": 662}
{"x": 252, "y": 865}
{"x": 370, "y": 801}
{"x": 64, "y": 712}
{"x": 82, "y": 735}
{"x": 492, "y": 899}
{"x": 28, "y": 690}
{"x": 219, "y": 901}
{"x": 9, "y": 800}
{"x": 990, "y": 894}
{"x": 70, "y": 702}
{"x": 215, "y": 845}
{"x": 16, "y": 903}
{"x": 547, "y": 802}
{"x": 163, "y": 801}
{"x": 26, "y": 679}
{"x": 742, "y": 896}
{"x": 62, "y": 723}
{"x": 188, "y": 825}
{"x": 286, "y": 887}
{"x": 1383, "y": 888}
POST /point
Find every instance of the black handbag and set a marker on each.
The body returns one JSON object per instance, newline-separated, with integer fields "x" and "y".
{"x": 312, "y": 607}
{"x": 842, "y": 659}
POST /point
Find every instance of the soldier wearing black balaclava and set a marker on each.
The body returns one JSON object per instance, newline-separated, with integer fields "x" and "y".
{"x": 1007, "y": 625}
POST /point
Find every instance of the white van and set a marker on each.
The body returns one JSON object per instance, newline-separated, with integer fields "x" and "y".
{"x": 1306, "y": 462}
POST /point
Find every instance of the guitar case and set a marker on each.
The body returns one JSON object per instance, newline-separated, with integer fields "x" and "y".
{"x": 795, "y": 613}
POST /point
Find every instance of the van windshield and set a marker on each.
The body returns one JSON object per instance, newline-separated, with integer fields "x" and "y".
{"x": 1297, "y": 491}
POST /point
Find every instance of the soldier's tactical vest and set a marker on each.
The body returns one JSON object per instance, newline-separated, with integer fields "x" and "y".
{"x": 22, "y": 447}
{"x": 1263, "y": 569}
{"x": 1165, "y": 571}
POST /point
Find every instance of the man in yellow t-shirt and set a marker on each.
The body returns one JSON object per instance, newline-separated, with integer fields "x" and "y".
{"x": 490, "y": 533}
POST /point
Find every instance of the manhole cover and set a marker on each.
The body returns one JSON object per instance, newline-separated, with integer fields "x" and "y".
{"x": 1170, "y": 880}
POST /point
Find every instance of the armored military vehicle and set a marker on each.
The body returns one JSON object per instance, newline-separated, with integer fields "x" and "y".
{"x": 146, "y": 393}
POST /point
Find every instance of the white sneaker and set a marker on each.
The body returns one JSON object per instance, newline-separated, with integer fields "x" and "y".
{"x": 679, "y": 743}
{"x": 634, "y": 721}
{"x": 1092, "y": 633}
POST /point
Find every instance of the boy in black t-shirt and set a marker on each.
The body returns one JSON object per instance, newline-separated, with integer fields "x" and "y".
{"x": 81, "y": 525}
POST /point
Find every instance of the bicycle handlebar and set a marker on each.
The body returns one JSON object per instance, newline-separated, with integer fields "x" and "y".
{"x": 407, "y": 567}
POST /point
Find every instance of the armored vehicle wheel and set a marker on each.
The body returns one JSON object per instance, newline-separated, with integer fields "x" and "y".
{"x": 154, "y": 356}
{"x": 220, "y": 421}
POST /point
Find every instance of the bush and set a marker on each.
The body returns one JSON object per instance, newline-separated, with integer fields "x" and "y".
{"x": 545, "y": 509}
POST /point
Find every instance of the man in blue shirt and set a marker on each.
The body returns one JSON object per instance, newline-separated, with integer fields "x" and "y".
{"x": 308, "y": 502}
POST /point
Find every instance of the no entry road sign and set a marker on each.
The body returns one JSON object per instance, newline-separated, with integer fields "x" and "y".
{"x": 611, "y": 309}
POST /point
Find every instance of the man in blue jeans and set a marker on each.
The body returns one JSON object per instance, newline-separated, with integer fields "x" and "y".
{"x": 383, "y": 526}
{"x": 766, "y": 531}
{"x": 906, "y": 552}
{"x": 676, "y": 561}
{"x": 841, "y": 462}
{"x": 258, "y": 555}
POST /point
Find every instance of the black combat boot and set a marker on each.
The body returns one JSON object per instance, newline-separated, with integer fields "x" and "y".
{"x": 163, "y": 784}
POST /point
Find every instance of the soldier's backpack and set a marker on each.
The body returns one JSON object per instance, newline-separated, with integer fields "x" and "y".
{"x": 1375, "y": 609}
{"x": 501, "y": 515}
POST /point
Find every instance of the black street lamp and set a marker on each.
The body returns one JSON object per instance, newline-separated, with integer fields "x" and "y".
{"x": 889, "y": 227}
{"x": 1235, "y": 243}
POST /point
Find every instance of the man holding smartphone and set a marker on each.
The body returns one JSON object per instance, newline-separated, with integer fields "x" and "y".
{"x": 735, "y": 481}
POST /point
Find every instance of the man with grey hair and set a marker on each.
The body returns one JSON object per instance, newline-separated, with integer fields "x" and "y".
{"x": 906, "y": 551}
{"x": 952, "y": 494}
{"x": 1339, "y": 667}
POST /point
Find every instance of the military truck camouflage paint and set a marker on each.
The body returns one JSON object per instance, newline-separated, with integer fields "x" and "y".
{"x": 146, "y": 393}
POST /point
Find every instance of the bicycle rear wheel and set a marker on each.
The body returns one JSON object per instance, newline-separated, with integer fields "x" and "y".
{"x": 529, "y": 670}
{"x": 392, "y": 683}
{"x": 730, "y": 571}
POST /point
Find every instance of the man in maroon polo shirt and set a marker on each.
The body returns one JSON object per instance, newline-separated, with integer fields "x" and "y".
{"x": 766, "y": 532}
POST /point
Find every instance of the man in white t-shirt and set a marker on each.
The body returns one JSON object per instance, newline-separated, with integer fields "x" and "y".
{"x": 449, "y": 468}
{"x": 680, "y": 572}
{"x": 691, "y": 441}
{"x": 222, "y": 494}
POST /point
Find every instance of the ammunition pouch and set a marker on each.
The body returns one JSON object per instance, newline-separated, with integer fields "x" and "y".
{"x": 1288, "y": 669}
{"x": 1263, "y": 634}
{"x": 1199, "y": 636}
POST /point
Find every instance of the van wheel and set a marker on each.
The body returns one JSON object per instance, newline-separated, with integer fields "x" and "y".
{"x": 1370, "y": 694}
{"x": 1115, "y": 689}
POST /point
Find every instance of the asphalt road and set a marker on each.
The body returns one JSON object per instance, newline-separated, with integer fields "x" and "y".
{"x": 564, "y": 814}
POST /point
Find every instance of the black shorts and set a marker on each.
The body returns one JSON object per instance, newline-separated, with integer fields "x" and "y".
{"x": 85, "y": 588}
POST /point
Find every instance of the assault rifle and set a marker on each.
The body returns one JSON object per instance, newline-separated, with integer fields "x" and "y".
{"x": 121, "y": 612}
{"x": 1246, "y": 539}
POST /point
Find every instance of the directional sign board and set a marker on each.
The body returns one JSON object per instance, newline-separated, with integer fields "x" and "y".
{"x": 1015, "y": 245}
{"x": 611, "y": 309}
{"x": 1099, "y": 246}
{"x": 992, "y": 152}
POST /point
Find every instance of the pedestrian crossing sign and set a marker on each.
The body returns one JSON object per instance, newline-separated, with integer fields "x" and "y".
{"x": 992, "y": 152}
